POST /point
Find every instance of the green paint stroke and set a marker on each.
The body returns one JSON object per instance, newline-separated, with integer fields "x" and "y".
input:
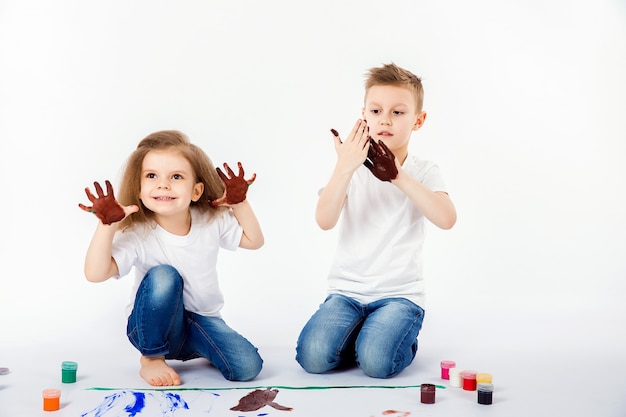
{"x": 313, "y": 387}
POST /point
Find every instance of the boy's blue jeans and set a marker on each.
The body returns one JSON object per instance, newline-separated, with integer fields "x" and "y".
{"x": 379, "y": 337}
{"x": 159, "y": 325}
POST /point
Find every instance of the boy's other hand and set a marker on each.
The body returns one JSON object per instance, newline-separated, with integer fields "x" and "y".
{"x": 381, "y": 161}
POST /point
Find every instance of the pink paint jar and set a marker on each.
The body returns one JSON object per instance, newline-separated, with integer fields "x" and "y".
{"x": 469, "y": 380}
{"x": 445, "y": 368}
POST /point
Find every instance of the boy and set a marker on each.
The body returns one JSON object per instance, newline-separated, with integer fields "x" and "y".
{"x": 373, "y": 312}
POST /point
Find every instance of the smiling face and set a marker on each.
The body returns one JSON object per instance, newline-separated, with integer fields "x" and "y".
{"x": 168, "y": 185}
{"x": 392, "y": 115}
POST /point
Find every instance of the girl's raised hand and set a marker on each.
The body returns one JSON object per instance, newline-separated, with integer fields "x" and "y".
{"x": 106, "y": 207}
{"x": 236, "y": 187}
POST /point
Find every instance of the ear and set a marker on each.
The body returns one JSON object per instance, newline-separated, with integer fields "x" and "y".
{"x": 198, "y": 189}
{"x": 419, "y": 120}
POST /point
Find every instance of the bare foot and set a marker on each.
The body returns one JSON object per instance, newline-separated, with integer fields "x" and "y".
{"x": 157, "y": 372}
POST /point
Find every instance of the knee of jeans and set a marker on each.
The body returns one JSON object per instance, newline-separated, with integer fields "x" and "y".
{"x": 163, "y": 279}
{"x": 246, "y": 370}
{"x": 316, "y": 360}
{"x": 376, "y": 369}
{"x": 383, "y": 364}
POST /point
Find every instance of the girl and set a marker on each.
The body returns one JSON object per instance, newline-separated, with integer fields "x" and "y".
{"x": 175, "y": 211}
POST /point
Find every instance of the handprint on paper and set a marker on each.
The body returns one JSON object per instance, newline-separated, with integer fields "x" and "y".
{"x": 258, "y": 399}
{"x": 105, "y": 207}
{"x": 381, "y": 161}
{"x": 236, "y": 187}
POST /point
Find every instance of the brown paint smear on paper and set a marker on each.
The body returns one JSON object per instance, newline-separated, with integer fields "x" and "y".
{"x": 258, "y": 399}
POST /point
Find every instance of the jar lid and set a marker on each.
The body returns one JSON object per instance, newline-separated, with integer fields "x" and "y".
{"x": 448, "y": 364}
{"x": 484, "y": 386}
{"x": 69, "y": 366}
{"x": 468, "y": 374}
{"x": 51, "y": 393}
{"x": 456, "y": 371}
{"x": 483, "y": 376}
{"x": 427, "y": 387}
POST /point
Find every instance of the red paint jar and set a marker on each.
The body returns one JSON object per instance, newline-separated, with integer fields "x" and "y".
{"x": 469, "y": 380}
{"x": 445, "y": 368}
{"x": 427, "y": 393}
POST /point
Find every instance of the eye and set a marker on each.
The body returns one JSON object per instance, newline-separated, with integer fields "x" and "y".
{"x": 374, "y": 111}
{"x": 151, "y": 175}
{"x": 398, "y": 113}
{"x": 177, "y": 177}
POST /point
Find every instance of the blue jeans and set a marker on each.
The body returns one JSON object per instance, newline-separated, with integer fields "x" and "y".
{"x": 379, "y": 337}
{"x": 159, "y": 325}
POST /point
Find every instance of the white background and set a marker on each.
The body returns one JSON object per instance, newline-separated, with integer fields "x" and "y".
{"x": 526, "y": 103}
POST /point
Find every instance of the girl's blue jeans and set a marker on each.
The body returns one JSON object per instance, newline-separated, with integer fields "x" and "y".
{"x": 159, "y": 325}
{"x": 379, "y": 337}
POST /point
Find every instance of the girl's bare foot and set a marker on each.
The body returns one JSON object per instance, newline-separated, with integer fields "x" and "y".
{"x": 157, "y": 372}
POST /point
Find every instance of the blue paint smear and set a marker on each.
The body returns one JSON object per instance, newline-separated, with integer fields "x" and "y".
{"x": 129, "y": 404}
{"x": 140, "y": 403}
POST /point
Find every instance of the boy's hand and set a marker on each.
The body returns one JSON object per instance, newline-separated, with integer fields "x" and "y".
{"x": 236, "y": 187}
{"x": 105, "y": 207}
{"x": 381, "y": 161}
{"x": 353, "y": 151}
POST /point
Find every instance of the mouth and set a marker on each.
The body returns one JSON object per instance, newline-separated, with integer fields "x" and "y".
{"x": 384, "y": 134}
{"x": 164, "y": 198}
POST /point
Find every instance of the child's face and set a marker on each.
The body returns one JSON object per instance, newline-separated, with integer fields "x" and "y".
{"x": 392, "y": 116}
{"x": 168, "y": 183}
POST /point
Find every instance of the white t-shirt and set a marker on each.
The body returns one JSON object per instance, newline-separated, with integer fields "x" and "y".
{"x": 379, "y": 252}
{"x": 194, "y": 256}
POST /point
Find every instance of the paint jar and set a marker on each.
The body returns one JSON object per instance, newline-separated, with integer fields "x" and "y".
{"x": 68, "y": 372}
{"x": 485, "y": 393}
{"x": 483, "y": 377}
{"x": 51, "y": 399}
{"x": 469, "y": 380}
{"x": 427, "y": 393}
{"x": 455, "y": 377}
{"x": 445, "y": 368}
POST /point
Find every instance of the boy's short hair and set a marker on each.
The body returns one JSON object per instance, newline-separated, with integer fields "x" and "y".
{"x": 391, "y": 74}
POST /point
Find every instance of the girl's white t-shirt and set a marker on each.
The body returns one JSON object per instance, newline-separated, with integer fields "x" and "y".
{"x": 194, "y": 256}
{"x": 379, "y": 251}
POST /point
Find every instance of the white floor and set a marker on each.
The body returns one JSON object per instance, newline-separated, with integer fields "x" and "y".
{"x": 567, "y": 364}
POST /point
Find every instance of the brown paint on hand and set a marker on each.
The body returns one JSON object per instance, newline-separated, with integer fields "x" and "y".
{"x": 236, "y": 187}
{"x": 381, "y": 161}
{"x": 105, "y": 207}
{"x": 258, "y": 399}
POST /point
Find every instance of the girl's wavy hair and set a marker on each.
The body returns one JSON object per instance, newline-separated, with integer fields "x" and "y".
{"x": 176, "y": 141}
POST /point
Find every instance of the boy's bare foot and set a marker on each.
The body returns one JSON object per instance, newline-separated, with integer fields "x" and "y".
{"x": 157, "y": 372}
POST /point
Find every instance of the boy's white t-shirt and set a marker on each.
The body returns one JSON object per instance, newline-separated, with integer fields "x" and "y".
{"x": 379, "y": 252}
{"x": 194, "y": 256}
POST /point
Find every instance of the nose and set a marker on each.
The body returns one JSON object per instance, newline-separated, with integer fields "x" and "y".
{"x": 163, "y": 184}
{"x": 385, "y": 120}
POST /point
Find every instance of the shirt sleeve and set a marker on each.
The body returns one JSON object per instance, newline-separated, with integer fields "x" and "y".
{"x": 230, "y": 231}
{"x": 124, "y": 252}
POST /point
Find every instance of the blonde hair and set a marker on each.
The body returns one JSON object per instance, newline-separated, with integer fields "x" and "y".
{"x": 201, "y": 165}
{"x": 391, "y": 74}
